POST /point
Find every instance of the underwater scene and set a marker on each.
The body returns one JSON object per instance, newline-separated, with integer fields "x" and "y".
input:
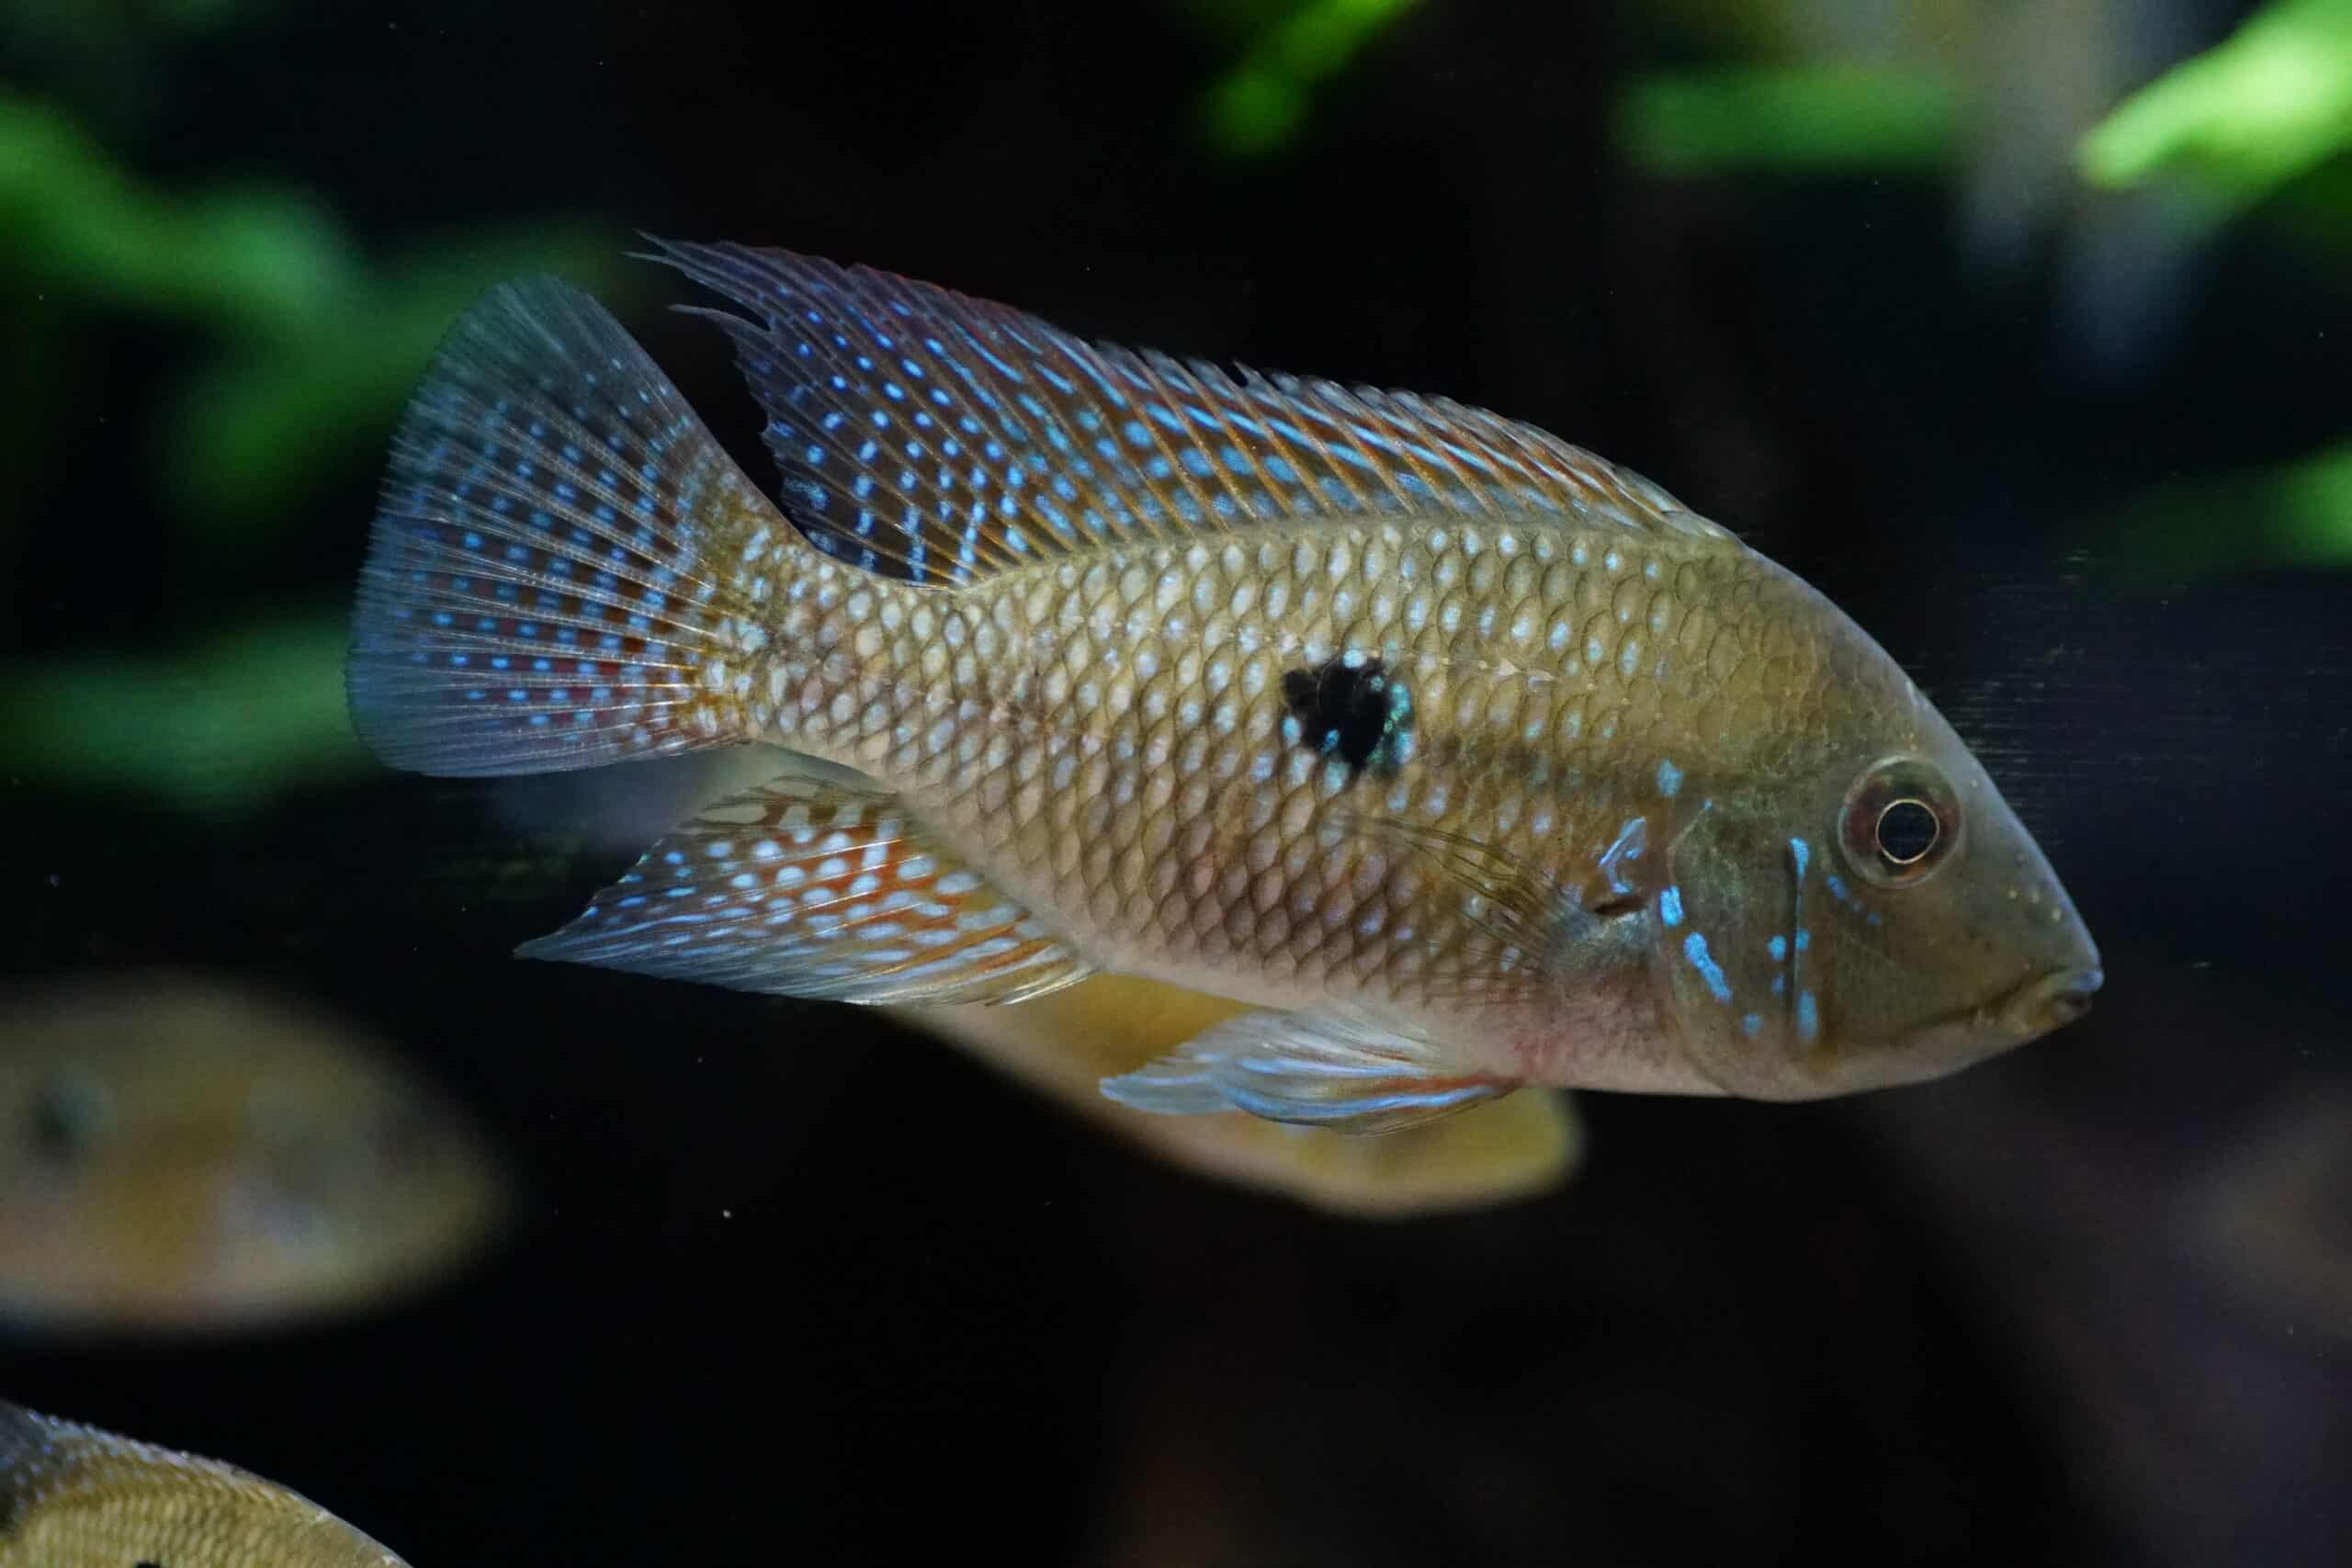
{"x": 1178, "y": 786}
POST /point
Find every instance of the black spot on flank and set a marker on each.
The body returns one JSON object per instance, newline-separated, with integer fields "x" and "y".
{"x": 1351, "y": 711}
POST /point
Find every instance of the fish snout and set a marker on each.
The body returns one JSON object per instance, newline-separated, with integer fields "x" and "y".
{"x": 2053, "y": 1000}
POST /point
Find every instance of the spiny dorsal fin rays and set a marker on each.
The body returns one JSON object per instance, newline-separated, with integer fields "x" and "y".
{"x": 816, "y": 888}
{"x": 942, "y": 438}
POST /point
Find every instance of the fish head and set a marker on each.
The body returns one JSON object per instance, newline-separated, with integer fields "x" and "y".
{"x": 1868, "y": 912}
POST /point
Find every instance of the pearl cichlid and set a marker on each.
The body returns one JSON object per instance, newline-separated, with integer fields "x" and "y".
{"x": 1464, "y": 759}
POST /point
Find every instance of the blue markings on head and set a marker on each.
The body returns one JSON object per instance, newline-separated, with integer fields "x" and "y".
{"x": 1802, "y": 853}
{"x": 1669, "y": 906}
{"x": 1751, "y": 1023}
{"x": 1837, "y": 889}
{"x": 1694, "y": 948}
{"x": 1670, "y": 779}
{"x": 1778, "y": 947}
{"x": 1626, "y": 849}
{"x": 1805, "y": 939}
{"x": 1808, "y": 1018}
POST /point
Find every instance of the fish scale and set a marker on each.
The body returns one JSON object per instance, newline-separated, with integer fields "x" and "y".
{"x": 1100, "y": 740}
{"x": 73, "y": 1496}
{"x": 1469, "y": 758}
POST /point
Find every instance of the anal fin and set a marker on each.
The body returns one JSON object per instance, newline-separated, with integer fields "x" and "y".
{"x": 1316, "y": 1069}
{"x": 818, "y": 888}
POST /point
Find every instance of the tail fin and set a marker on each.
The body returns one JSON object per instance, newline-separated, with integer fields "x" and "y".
{"x": 563, "y": 558}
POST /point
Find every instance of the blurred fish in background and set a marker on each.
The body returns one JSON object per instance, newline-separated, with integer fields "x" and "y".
{"x": 71, "y": 1497}
{"x": 184, "y": 1152}
{"x": 1066, "y": 1043}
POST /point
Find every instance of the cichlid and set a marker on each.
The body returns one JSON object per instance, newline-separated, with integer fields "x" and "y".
{"x": 1465, "y": 759}
{"x": 184, "y": 1152}
{"x": 1064, "y": 1043}
{"x": 71, "y": 1497}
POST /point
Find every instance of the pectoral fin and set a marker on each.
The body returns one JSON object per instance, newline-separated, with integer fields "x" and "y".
{"x": 1316, "y": 1069}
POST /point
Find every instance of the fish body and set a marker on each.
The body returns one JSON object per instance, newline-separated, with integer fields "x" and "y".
{"x": 1465, "y": 757}
{"x": 73, "y": 1496}
{"x": 178, "y": 1152}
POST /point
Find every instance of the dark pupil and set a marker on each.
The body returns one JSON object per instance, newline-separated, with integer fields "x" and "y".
{"x": 1906, "y": 831}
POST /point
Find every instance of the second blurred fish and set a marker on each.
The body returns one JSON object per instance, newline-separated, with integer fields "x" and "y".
{"x": 1066, "y": 1043}
{"x": 179, "y": 1153}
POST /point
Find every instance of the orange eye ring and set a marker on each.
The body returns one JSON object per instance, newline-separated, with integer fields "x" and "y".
{"x": 1901, "y": 822}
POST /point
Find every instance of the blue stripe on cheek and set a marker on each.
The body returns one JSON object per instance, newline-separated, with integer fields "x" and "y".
{"x": 1694, "y": 948}
{"x": 1669, "y": 906}
{"x": 1808, "y": 1018}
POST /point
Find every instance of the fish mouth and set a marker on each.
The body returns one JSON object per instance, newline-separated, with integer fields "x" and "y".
{"x": 2050, "y": 1001}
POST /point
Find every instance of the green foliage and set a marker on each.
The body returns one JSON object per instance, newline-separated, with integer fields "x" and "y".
{"x": 221, "y": 729}
{"x": 2292, "y": 515}
{"x": 74, "y": 228}
{"x": 268, "y": 423}
{"x": 1819, "y": 117}
{"x": 2267, "y": 104}
{"x": 1255, "y": 108}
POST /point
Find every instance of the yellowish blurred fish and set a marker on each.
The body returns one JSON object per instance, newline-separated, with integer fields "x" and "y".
{"x": 71, "y": 1497}
{"x": 1467, "y": 759}
{"x": 178, "y": 1152}
{"x": 1065, "y": 1042}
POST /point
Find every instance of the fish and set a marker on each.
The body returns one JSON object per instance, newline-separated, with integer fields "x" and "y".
{"x": 73, "y": 1496}
{"x": 1064, "y": 1043}
{"x": 1467, "y": 759}
{"x": 182, "y": 1152}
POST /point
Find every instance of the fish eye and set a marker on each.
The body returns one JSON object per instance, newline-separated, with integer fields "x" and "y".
{"x": 1902, "y": 821}
{"x": 68, "y": 1116}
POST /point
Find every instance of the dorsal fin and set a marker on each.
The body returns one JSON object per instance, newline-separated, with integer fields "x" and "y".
{"x": 939, "y": 438}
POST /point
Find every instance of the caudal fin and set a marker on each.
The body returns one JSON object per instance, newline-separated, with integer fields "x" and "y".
{"x": 560, "y": 569}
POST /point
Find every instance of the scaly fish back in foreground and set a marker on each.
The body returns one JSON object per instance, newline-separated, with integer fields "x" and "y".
{"x": 71, "y": 1497}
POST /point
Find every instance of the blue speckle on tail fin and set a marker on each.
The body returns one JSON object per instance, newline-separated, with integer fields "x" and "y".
{"x": 939, "y": 438}
{"x": 548, "y": 580}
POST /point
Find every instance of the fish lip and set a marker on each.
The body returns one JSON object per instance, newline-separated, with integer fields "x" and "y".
{"x": 2050, "y": 1000}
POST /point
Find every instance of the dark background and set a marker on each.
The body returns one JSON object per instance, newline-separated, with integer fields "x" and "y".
{"x": 798, "y": 1286}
